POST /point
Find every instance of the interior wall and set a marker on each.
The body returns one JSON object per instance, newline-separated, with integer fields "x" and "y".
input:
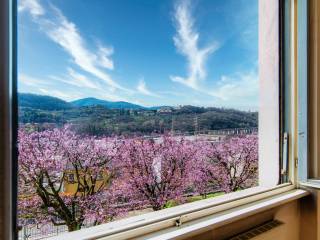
{"x": 310, "y": 216}
{"x": 288, "y": 214}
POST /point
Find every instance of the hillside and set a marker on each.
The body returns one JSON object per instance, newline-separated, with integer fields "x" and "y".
{"x": 42, "y": 102}
{"x": 97, "y": 119}
{"x": 85, "y": 102}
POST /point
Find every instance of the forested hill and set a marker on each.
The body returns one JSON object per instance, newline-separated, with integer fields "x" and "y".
{"x": 99, "y": 119}
{"x": 52, "y": 103}
{"x": 85, "y": 102}
{"x": 42, "y": 102}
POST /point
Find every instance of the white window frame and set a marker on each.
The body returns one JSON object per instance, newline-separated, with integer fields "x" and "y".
{"x": 303, "y": 90}
{"x": 183, "y": 215}
{"x": 303, "y": 177}
{"x": 164, "y": 219}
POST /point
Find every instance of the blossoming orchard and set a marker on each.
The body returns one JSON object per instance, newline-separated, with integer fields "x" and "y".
{"x": 68, "y": 179}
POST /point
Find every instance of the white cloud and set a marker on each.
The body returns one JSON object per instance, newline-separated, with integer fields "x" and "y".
{"x": 35, "y": 85}
{"x": 241, "y": 87}
{"x": 173, "y": 93}
{"x": 81, "y": 80}
{"x": 104, "y": 59}
{"x": 186, "y": 42}
{"x": 74, "y": 93}
{"x": 48, "y": 86}
{"x": 142, "y": 88}
{"x": 57, "y": 93}
{"x": 66, "y": 34}
{"x": 44, "y": 85}
{"x": 30, "y": 81}
{"x": 76, "y": 79}
{"x": 32, "y": 6}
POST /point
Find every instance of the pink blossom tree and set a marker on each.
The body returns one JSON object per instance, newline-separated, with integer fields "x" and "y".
{"x": 45, "y": 160}
{"x": 228, "y": 166}
{"x": 111, "y": 176}
{"x": 157, "y": 171}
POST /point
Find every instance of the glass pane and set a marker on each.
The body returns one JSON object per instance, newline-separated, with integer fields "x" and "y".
{"x": 128, "y": 107}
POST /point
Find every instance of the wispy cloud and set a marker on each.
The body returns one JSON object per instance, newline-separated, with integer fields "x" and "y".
{"x": 142, "y": 88}
{"x": 77, "y": 79}
{"x": 75, "y": 86}
{"x": 239, "y": 89}
{"x": 32, "y": 6}
{"x": 57, "y": 93}
{"x": 242, "y": 87}
{"x": 104, "y": 57}
{"x": 66, "y": 34}
{"x": 186, "y": 42}
{"x": 43, "y": 86}
{"x": 173, "y": 93}
{"x": 31, "y": 81}
{"x": 81, "y": 80}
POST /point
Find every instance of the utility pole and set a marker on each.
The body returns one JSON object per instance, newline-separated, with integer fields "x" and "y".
{"x": 172, "y": 125}
{"x": 196, "y": 125}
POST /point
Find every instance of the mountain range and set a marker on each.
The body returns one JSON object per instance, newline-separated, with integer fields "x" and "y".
{"x": 85, "y": 102}
{"x": 99, "y": 117}
{"x": 52, "y": 103}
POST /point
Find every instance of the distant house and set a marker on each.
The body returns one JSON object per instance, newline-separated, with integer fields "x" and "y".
{"x": 146, "y": 112}
{"x": 71, "y": 181}
{"x": 165, "y": 110}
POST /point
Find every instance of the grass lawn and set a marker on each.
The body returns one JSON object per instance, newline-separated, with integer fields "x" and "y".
{"x": 210, "y": 195}
{"x": 173, "y": 203}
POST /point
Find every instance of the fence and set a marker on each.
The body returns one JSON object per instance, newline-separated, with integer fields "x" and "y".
{"x": 37, "y": 232}
{"x": 219, "y": 132}
{"x": 233, "y": 131}
{"x": 43, "y": 231}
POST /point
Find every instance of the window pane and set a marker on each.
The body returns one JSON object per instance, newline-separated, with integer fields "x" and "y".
{"x": 128, "y": 107}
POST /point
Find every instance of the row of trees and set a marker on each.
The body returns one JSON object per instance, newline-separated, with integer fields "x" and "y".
{"x": 137, "y": 173}
{"x": 99, "y": 120}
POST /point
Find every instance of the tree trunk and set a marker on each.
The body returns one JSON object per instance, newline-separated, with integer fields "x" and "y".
{"x": 156, "y": 207}
{"x": 73, "y": 226}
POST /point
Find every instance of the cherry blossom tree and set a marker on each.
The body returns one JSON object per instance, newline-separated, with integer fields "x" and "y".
{"x": 111, "y": 176}
{"x": 47, "y": 158}
{"x": 228, "y": 166}
{"x": 157, "y": 171}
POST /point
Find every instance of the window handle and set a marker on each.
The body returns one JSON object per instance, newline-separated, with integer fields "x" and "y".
{"x": 285, "y": 158}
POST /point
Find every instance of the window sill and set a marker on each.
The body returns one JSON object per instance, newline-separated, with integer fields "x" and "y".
{"x": 311, "y": 183}
{"x": 225, "y": 217}
{"x": 191, "y": 216}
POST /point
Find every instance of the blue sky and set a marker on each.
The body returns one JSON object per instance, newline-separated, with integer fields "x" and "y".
{"x": 149, "y": 52}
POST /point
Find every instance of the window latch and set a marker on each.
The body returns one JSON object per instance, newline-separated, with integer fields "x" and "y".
{"x": 178, "y": 222}
{"x": 285, "y": 158}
